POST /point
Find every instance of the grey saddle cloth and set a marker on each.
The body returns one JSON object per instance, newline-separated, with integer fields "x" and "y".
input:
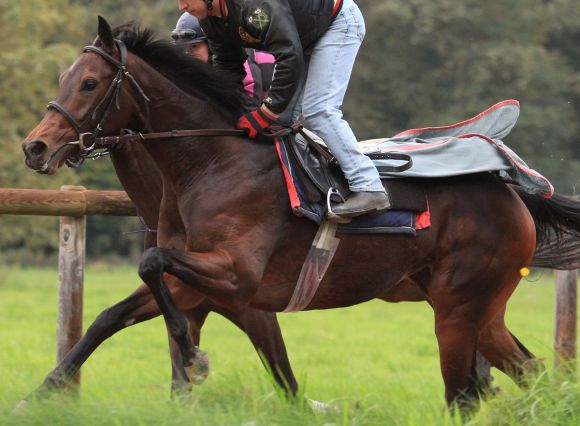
{"x": 471, "y": 146}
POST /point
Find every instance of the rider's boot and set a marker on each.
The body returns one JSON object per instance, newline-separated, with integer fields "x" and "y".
{"x": 360, "y": 203}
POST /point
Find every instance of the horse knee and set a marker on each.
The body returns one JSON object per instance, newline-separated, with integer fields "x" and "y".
{"x": 107, "y": 322}
{"x": 151, "y": 265}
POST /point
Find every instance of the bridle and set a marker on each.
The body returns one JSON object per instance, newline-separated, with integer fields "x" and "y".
{"x": 87, "y": 141}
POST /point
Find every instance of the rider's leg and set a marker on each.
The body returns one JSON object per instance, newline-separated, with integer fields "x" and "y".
{"x": 329, "y": 71}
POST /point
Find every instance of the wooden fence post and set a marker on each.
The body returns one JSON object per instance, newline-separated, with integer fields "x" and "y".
{"x": 71, "y": 265}
{"x": 565, "y": 321}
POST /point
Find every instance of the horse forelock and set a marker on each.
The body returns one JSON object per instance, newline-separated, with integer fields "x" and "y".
{"x": 190, "y": 74}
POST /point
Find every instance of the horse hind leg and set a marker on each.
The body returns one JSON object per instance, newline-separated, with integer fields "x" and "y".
{"x": 465, "y": 304}
{"x": 481, "y": 375}
{"x": 457, "y": 338}
{"x": 499, "y": 348}
{"x": 506, "y": 353}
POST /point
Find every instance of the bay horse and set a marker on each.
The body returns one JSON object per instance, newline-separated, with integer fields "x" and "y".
{"x": 226, "y": 234}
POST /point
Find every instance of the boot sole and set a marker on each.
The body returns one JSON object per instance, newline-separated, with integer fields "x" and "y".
{"x": 379, "y": 209}
{"x": 347, "y": 217}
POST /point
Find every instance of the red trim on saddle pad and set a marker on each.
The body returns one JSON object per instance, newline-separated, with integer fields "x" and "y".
{"x": 461, "y": 123}
{"x": 292, "y": 193}
{"x": 423, "y": 219}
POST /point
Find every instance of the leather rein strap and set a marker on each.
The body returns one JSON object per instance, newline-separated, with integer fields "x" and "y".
{"x": 129, "y": 136}
{"x": 112, "y": 141}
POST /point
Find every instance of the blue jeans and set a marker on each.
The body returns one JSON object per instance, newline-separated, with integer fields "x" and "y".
{"x": 321, "y": 92}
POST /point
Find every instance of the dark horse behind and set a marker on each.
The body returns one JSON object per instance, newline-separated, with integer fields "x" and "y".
{"x": 226, "y": 234}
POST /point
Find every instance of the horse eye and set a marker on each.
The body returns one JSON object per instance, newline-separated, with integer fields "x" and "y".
{"x": 89, "y": 84}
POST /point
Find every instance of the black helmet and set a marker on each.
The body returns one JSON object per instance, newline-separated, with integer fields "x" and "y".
{"x": 188, "y": 30}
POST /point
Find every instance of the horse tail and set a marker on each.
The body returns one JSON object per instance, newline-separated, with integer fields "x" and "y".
{"x": 557, "y": 221}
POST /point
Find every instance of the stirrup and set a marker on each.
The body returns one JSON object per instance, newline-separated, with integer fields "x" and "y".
{"x": 333, "y": 217}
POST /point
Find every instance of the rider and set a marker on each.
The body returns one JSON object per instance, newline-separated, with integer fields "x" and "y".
{"x": 315, "y": 43}
{"x": 259, "y": 67}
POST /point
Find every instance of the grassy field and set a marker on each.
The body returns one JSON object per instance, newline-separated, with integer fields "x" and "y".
{"x": 378, "y": 363}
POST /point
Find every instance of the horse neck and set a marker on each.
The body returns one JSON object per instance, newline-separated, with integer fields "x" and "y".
{"x": 170, "y": 106}
{"x": 141, "y": 179}
{"x": 182, "y": 160}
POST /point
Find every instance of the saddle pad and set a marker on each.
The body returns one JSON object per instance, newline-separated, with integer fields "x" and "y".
{"x": 389, "y": 222}
{"x": 405, "y": 222}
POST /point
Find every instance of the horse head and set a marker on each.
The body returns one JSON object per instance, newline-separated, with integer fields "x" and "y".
{"x": 88, "y": 104}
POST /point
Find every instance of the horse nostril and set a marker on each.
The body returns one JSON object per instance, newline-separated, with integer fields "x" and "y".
{"x": 35, "y": 148}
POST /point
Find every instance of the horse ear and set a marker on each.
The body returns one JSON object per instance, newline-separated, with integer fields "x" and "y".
{"x": 105, "y": 34}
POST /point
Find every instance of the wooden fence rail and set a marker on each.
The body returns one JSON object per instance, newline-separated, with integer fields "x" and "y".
{"x": 69, "y": 201}
{"x": 74, "y": 203}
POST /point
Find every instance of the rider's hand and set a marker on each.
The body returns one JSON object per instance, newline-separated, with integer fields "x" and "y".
{"x": 255, "y": 122}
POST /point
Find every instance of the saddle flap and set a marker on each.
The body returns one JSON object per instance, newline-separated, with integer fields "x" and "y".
{"x": 322, "y": 174}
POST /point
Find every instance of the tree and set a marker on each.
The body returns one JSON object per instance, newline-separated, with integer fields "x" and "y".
{"x": 160, "y": 15}
{"x": 434, "y": 63}
{"x": 36, "y": 49}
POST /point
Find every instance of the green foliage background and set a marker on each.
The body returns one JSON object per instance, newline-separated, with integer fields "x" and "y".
{"x": 422, "y": 63}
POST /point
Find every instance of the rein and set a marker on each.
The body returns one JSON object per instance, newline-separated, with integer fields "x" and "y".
{"x": 128, "y": 136}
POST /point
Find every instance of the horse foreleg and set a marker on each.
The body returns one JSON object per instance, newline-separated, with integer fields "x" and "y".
{"x": 212, "y": 274}
{"x": 138, "y": 307}
{"x": 264, "y": 331}
{"x": 180, "y": 382}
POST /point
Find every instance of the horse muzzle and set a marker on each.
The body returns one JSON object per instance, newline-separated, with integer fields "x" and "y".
{"x": 39, "y": 158}
{"x": 35, "y": 153}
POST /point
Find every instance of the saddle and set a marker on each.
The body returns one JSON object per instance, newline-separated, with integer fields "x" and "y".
{"x": 314, "y": 179}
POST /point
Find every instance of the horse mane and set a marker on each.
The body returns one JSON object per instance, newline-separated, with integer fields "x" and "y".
{"x": 190, "y": 74}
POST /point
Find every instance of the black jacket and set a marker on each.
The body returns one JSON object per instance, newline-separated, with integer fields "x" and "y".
{"x": 286, "y": 28}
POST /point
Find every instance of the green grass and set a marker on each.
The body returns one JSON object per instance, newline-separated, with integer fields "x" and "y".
{"x": 378, "y": 362}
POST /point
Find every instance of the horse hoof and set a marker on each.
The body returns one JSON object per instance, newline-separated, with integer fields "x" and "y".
{"x": 21, "y": 407}
{"x": 198, "y": 370}
{"x": 322, "y": 407}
